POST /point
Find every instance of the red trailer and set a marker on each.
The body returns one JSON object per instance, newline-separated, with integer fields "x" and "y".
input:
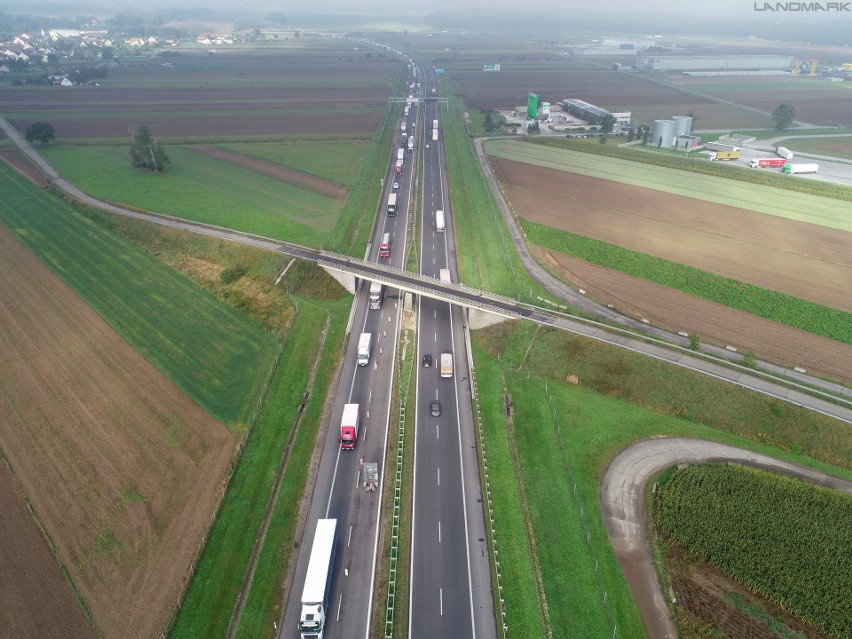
{"x": 765, "y": 163}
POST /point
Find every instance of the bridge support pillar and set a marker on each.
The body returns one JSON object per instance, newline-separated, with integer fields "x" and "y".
{"x": 477, "y": 318}
{"x": 346, "y": 280}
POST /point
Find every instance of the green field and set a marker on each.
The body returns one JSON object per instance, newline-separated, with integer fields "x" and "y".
{"x": 201, "y": 189}
{"x": 565, "y": 435}
{"x": 210, "y": 351}
{"x": 754, "y": 197}
{"x": 336, "y": 161}
{"x": 840, "y": 147}
{"x": 784, "y": 538}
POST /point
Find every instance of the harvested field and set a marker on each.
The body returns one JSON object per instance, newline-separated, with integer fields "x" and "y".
{"x": 17, "y": 161}
{"x": 122, "y": 468}
{"x": 37, "y": 602}
{"x": 117, "y": 126}
{"x": 276, "y": 171}
{"x": 801, "y": 259}
{"x": 715, "y": 323}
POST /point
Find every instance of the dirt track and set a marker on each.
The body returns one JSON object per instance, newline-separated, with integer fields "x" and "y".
{"x": 122, "y": 468}
{"x": 17, "y": 161}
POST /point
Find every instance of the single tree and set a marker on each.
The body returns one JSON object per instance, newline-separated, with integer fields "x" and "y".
{"x": 607, "y": 122}
{"x": 40, "y": 132}
{"x": 489, "y": 125}
{"x": 694, "y": 117}
{"x": 603, "y": 138}
{"x": 630, "y": 135}
{"x": 146, "y": 152}
{"x": 783, "y": 116}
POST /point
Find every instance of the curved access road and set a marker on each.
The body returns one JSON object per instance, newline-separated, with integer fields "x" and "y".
{"x": 621, "y": 498}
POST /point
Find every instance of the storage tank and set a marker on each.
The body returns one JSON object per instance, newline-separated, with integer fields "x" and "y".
{"x": 663, "y": 130}
{"x": 545, "y": 109}
{"x": 532, "y": 106}
{"x": 683, "y": 125}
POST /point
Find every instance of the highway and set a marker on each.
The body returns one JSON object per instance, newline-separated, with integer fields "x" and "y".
{"x": 450, "y": 572}
{"x": 338, "y": 492}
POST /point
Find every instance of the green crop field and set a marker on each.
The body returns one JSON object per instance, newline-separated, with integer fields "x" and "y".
{"x": 337, "y": 161}
{"x": 565, "y": 435}
{"x": 212, "y": 352}
{"x": 201, "y": 189}
{"x": 754, "y": 197}
{"x": 784, "y": 538}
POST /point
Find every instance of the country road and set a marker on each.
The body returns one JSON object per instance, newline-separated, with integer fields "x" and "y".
{"x": 621, "y": 497}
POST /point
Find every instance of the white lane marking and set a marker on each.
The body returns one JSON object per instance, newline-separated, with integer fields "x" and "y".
{"x": 439, "y": 532}
{"x": 437, "y": 431}
{"x": 349, "y": 541}
{"x": 439, "y": 476}
{"x": 340, "y": 603}
{"x": 436, "y": 313}
{"x": 441, "y": 595}
{"x": 357, "y": 478}
{"x": 436, "y": 336}
{"x": 370, "y": 397}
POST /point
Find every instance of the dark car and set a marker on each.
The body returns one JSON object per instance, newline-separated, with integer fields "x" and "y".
{"x": 427, "y": 360}
{"x": 435, "y": 408}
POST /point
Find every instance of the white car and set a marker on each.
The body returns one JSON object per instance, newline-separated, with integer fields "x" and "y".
{"x": 396, "y": 186}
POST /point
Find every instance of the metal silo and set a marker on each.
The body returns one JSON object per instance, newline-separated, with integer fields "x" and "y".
{"x": 663, "y": 130}
{"x": 532, "y": 106}
{"x": 683, "y": 124}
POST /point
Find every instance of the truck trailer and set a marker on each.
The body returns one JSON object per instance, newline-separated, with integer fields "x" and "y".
{"x": 397, "y": 170}
{"x": 400, "y": 155}
{"x": 715, "y": 156}
{"x": 318, "y": 580}
{"x": 385, "y": 246}
{"x": 444, "y": 276}
{"x": 392, "y": 204}
{"x": 377, "y": 294}
{"x": 766, "y": 163}
{"x": 365, "y": 344}
{"x": 781, "y": 152}
{"x": 411, "y": 144}
{"x": 446, "y": 364}
{"x": 349, "y": 426}
{"x": 797, "y": 169}
{"x": 718, "y": 146}
{"x": 440, "y": 223}
{"x": 434, "y": 135}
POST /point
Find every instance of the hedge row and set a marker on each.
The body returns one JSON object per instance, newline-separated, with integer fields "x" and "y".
{"x": 786, "y": 539}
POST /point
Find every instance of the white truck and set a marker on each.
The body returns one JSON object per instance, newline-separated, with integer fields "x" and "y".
{"x": 434, "y": 135}
{"x": 444, "y": 276}
{"x": 440, "y": 222}
{"x": 365, "y": 344}
{"x": 782, "y": 152}
{"x": 392, "y": 204}
{"x": 400, "y": 154}
{"x": 446, "y": 364}
{"x": 377, "y": 294}
{"x": 318, "y": 580}
{"x": 411, "y": 144}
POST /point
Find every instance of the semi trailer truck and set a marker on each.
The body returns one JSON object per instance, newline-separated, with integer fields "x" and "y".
{"x": 377, "y": 294}
{"x": 392, "y": 204}
{"x": 446, "y": 364}
{"x": 714, "y": 156}
{"x": 350, "y": 423}
{"x": 434, "y": 135}
{"x": 440, "y": 223}
{"x": 318, "y": 580}
{"x": 797, "y": 169}
{"x": 782, "y": 152}
{"x": 444, "y": 276}
{"x": 766, "y": 163}
{"x": 385, "y": 246}
{"x": 365, "y": 344}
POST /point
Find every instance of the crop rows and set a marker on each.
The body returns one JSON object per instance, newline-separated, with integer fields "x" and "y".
{"x": 779, "y": 307}
{"x": 783, "y": 538}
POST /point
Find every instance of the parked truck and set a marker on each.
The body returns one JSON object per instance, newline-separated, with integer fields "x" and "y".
{"x": 403, "y": 126}
{"x": 781, "y": 152}
{"x": 392, "y": 204}
{"x": 444, "y": 276}
{"x": 796, "y": 169}
{"x": 714, "y": 156}
{"x": 434, "y": 124}
{"x": 318, "y": 580}
{"x": 349, "y": 426}
{"x": 765, "y": 163}
{"x": 365, "y": 344}
{"x": 718, "y": 146}
{"x": 446, "y": 364}
{"x": 440, "y": 223}
{"x": 377, "y": 294}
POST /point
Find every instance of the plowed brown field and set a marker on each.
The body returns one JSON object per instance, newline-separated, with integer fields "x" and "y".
{"x": 17, "y": 161}
{"x": 122, "y": 468}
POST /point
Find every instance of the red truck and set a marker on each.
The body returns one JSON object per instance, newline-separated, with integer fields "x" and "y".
{"x": 397, "y": 170}
{"x": 349, "y": 426}
{"x": 385, "y": 246}
{"x": 764, "y": 163}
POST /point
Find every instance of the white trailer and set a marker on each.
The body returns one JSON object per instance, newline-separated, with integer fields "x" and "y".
{"x": 446, "y": 364}
{"x": 365, "y": 343}
{"x": 797, "y": 169}
{"x": 411, "y": 144}
{"x": 444, "y": 276}
{"x": 781, "y": 152}
{"x": 318, "y": 580}
{"x": 377, "y": 294}
{"x": 440, "y": 223}
{"x": 434, "y": 135}
{"x": 400, "y": 154}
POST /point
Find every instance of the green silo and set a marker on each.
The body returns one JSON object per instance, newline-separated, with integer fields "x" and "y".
{"x": 532, "y": 106}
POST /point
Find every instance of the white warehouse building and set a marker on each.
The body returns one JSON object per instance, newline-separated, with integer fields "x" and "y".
{"x": 716, "y": 62}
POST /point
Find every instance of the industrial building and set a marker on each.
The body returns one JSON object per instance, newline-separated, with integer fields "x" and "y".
{"x": 593, "y": 114}
{"x": 714, "y": 63}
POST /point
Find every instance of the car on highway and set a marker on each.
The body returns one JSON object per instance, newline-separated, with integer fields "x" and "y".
{"x": 435, "y": 408}
{"x": 427, "y": 360}
{"x": 396, "y": 186}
